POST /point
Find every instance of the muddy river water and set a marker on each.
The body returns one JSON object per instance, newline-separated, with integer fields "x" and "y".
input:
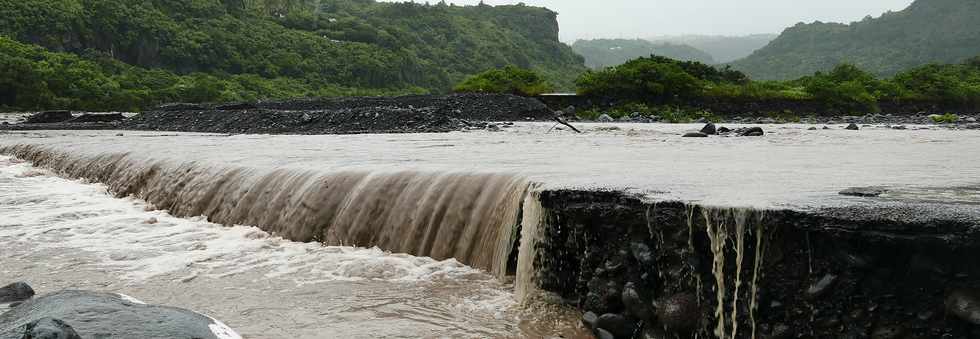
{"x": 59, "y": 233}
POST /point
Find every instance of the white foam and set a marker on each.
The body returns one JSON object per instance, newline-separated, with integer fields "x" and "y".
{"x": 130, "y": 299}
{"x": 53, "y": 212}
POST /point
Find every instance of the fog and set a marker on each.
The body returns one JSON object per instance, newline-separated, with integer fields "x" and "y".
{"x": 586, "y": 19}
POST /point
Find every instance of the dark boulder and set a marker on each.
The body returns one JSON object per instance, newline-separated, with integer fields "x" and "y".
{"x": 617, "y": 324}
{"x": 679, "y": 312}
{"x": 589, "y": 320}
{"x": 603, "y": 334}
{"x": 852, "y": 127}
{"x": 965, "y": 305}
{"x": 49, "y": 117}
{"x": 18, "y": 291}
{"x": 49, "y": 328}
{"x": 103, "y": 117}
{"x": 695, "y": 135}
{"x": 709, "y": 129}
{"x": 751, "y": 132}
{"x": 811, "y": 129}
{"x": 91, "y": 313}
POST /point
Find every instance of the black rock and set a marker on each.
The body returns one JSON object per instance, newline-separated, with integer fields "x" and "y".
{"x": 111, "y": 117}
{"x": 825, "y": 127}
{"x": 641, "y": 252}
{"x": 603, "y": 334}
{"x": 18, "y": 291}
{"x": 853, "y": 127}
{"x": 634, "y": 302}
{"x": 811, "y": 129}
{"x": 751, "y": 132}
{"x": 821, "y": 287}
{"x": 49, "y": 328}
{"x": 92, "y": 313}
{"x": 678, "y": 313}
{"x": 723, "y": 130}
{"x": 589, "y": 320}
{"x": 965, "y": 305}
{"x": 695, "y": 135}
{"x": 709, "y": 129}
{"x": 616, "y": 324}
{"x": 49, "y": 117}
{"x": 871, "y": 191}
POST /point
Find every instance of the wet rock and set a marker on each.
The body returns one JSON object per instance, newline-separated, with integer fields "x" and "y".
{"x": 616, "y": 324}
{"x": 811, "y": 129}
{"x": 111, "y": 117}
{"x": 723, "y": 130}
{"x": 589, "y": 320}
{"x": 825, "y": 127}
{"x": 18, "y": 291}
{"x": 49, "y": 328}
{"x": 642, "y": 253}
{"x": 493, "y": 128}
{"x": 605, "y": 118}
{"x": 751, "y": 132}
{"x": 49, "y": 117}
{"x": 900, "y": 127}
{"x": 91, "y": 313}
{"x": 695, "y": 135}
{"x": 709, "y": 129}
{"x": 852, "y": 127}
{"x": 871, "y": 191}
{"x": 678, "y": 313}
{"x": 603, "y": 334}
{"x": 965, "y": 305}
{"x": 821, "y": 287}
{"x": 634, "y": 302}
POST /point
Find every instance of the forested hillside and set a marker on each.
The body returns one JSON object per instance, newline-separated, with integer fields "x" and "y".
{"x": 288, "y": 47}
{"x": 928, "y": 31}
{"x": 601, "y": 53}
{"x": 721, "y": 48}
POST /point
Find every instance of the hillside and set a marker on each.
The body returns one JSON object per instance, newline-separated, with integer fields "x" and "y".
{"x": 928, "y": 31}
{"x": 721, "y": 48}
{"x": 340, "y": 44}
{"x": 601, "y": 53}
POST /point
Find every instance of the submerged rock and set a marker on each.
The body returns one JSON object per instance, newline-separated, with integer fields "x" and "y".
{"x": 965, "y": 305}
{"x": 695, "y": 135}
{"x": 18, "y": 291}
{"x": 751, "y": 132}
{"x": 709, "y": 129}
{"x": 852, "y": 127}
{"x": 871, "y": 191}
{"x": 723, "y": 130}
{"x": 50, "y": 328}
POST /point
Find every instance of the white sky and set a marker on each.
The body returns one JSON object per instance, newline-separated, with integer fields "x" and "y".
{"x": 645, "y": 18}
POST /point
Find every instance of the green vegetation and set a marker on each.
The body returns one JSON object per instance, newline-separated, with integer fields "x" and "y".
{"x": 601, "y": 53}
{"x": 947, "y": 118}
{"x": 139, "y": 53}
{"x": 928, "y": 31}
{"x": 659, "y": 82}
{"x": 510, "y": 80}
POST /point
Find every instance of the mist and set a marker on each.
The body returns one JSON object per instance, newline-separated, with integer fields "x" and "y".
{"x": 588, "y": 19}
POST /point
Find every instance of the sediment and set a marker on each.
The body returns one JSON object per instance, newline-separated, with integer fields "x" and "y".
{"x": 640, "y": 269}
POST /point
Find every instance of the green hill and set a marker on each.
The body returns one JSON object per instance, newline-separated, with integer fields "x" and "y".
{"x": 601, "y": 53}
{"x": 349, "y": 45}
{"x": 928, "y": 31}
{"x": 721, "y": 48}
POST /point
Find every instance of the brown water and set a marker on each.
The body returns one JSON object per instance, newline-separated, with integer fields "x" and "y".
{"x": 453, "y": 197}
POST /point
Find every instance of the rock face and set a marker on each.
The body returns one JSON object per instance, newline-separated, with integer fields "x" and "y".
{"x": 49, "y": 117}
{"x": 91, "y": 314}
{"x": 18, "y": 291}
{"x": 841, "y": 272}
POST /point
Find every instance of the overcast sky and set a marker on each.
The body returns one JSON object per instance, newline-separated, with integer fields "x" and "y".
{"x": 645, "y": 18}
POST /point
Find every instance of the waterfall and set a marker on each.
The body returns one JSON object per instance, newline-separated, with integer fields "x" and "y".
{"x": 471, "y": 217}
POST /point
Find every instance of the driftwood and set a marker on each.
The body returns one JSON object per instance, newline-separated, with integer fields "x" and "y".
{"x": 562, "y": 121}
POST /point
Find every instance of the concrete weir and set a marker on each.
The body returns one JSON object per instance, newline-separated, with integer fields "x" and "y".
{"x": 639, "y": 265}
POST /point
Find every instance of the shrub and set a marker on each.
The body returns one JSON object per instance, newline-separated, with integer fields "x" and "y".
{"x": 510, "y": 79}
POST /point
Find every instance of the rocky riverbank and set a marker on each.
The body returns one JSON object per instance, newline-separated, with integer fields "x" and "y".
{"x": 666, "y": 270}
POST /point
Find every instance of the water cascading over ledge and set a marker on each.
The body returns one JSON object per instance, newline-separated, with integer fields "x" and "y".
{"x": 472, "y": 217}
